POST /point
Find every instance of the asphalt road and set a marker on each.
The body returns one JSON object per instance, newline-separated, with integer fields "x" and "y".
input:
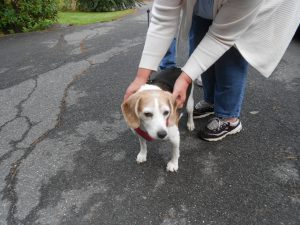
{"x": 67, "y": 156}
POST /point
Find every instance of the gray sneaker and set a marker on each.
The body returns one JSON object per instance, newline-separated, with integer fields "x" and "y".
{"x": 202, "y": 109}
{"x": 217, "y": 129}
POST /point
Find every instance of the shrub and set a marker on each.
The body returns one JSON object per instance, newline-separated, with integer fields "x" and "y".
{"x": 105, "y": 5}
{"x": 26, "y": 15}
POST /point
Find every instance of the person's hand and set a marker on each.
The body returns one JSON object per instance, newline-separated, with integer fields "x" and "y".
{"x": 181, "y": 85}
{"x": 140, "y": 79}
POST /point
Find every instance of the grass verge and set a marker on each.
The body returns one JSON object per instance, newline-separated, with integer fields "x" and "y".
{"x": 82, "y": 18}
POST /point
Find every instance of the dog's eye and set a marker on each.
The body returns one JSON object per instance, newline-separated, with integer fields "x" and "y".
{"x": 165, "y": 113}
{"x": 148, "y": 114}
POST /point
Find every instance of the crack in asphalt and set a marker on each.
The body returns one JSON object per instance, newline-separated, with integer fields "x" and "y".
{"x": 9, "y": 191}
{"x": 9, "y": 121}
{"x": 11, "y": 179}
{"x": 18, "y": 115}
{"x": 19, "y": 106}
{"x": 9, "y": 153}
{"x": 63, "y": 104}
{"x": 81, "y": 43}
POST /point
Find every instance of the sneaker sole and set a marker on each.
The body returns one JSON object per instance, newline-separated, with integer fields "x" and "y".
{"x": 202, "y": 116}
{"x": 234, "y": 131}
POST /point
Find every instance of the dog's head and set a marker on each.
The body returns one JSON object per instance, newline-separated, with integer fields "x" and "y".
{"x": 154, "y": 110}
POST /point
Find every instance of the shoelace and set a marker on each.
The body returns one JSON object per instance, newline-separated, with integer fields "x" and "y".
{"x": 216, "y": 124}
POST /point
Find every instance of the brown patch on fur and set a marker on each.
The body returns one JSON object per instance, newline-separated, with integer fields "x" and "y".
{"x": 130, "y": 113}
{"x": 169, "y": 100}
{"x": 147, "y": 100}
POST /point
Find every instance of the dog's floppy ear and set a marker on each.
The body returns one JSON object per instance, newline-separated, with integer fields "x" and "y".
{"x": 130, "y": 110}
{"x": 173, "y": 118}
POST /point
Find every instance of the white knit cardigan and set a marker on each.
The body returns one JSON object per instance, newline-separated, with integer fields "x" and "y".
{"x": 260, "y": 29}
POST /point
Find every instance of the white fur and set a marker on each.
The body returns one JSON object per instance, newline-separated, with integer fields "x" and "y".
{"x": 190, "y": 108}
{"x": 158, "y": 122}
{"x": 146, "y": 87}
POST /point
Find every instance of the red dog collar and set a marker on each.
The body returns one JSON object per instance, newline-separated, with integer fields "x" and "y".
{"x": 144, "y": 134}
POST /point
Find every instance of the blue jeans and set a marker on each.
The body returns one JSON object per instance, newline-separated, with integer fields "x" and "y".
{"x": 169, "y": 59}
{"x": 224, "y": 82}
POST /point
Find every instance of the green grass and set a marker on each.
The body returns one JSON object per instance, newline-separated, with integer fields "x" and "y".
{"x": 82, "y": 18}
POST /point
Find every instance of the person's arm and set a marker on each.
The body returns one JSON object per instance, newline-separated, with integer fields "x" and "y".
{"x": 181, "y": 85}
{"x": 232, "y": 20}
{"x": 162, "y": 29}
{"x": 161, "y": 32}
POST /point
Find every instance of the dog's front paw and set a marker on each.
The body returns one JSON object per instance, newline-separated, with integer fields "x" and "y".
{"x": 190, "y": 126}
{"x": 172, "y": 167}
{"x": 141, "y": 158}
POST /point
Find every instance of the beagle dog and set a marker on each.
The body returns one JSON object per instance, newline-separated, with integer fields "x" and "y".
{"x": 152, "y": 114}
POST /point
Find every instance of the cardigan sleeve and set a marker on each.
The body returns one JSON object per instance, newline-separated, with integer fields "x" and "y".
{"x": 162, "y": 30}
{"x": 231, "y": 21}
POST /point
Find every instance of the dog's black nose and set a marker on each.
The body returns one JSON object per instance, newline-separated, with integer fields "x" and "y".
{"x": 162, "y": 134}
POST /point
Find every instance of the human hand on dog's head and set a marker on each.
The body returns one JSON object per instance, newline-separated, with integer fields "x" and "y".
{"x": 180, "y": 88}
{"x": 140, "y": 79}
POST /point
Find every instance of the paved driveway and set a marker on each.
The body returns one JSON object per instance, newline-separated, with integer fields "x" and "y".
{"x": 67, "y": 157}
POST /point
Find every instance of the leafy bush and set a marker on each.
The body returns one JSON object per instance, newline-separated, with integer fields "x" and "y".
{"x": 105, "y": 5}
{"x": 26, "y": 15}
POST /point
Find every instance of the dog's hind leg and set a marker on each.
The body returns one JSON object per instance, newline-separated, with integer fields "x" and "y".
{"x": 142, "y": 156}
{"x": 175, "y": 140}
{"x": 189, "y": 109}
